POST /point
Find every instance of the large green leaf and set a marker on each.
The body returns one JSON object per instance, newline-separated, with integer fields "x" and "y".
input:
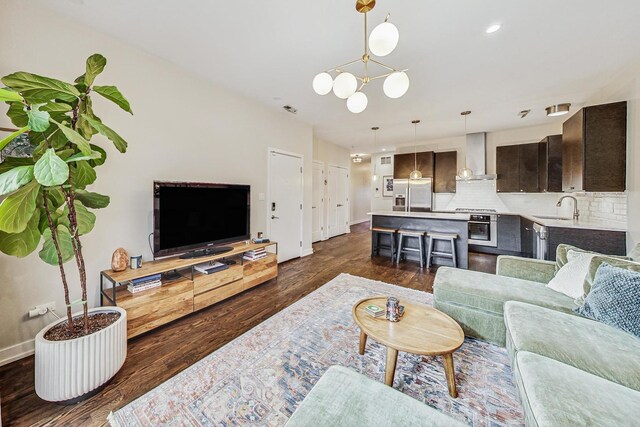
{"x": 95, "y": 162}
{"x": 75, "y": 138}
{"x": 48, "y": 252}
{"x": 118, "y": 141}
{"x": 85, "y": 219}
{"x": 14, "y": 162}
{"x": 9, "y": 95}
{"x": 17, "y": 208}
{"x": 38, "y": 120}
{"x": 95, "y": 65}
{"x": 37, "y": 89}
{"x": 113, "y": 94}
{"x": 85, "y": 110}
{"x": 11, "y": 180}
{"x": 17, "y": 112}
{"x": 79, "y": 156}
{"x": 92, "y": 200}
{"x": 59, "y": 107}
{"x": 56, "y": 198}
{"x": 43, "y": 224}
{"x": 82, "y": 174}
{"x": 51, "y": 170}
{"x": 12, "y": 136}
{"x": 22, "y": 244}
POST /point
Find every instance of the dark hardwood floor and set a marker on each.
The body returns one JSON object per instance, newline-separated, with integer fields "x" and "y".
{"x": 160, "y": 354}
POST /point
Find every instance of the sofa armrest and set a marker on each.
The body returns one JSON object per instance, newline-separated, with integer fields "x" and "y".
{"x": 535, "y": 270}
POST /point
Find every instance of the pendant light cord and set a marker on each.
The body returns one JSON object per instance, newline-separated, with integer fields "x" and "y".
{"x": 415, "y": 145}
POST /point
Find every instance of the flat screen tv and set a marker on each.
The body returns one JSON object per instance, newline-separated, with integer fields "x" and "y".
{"x": 191, "y": 216}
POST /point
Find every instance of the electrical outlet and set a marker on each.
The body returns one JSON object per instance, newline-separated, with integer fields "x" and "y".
{"x": 41, "y": 310}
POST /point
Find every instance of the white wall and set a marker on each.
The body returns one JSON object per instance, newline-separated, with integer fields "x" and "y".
{"x": 360, "y": 191}
{"x": 329, "y": 154}
{"x": 184, "y": 128}
{"x": 633, "y": 166}
{"x": 378, "y": 201}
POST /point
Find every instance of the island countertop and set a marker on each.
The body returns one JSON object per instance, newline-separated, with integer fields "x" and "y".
{"x": 427, "y": 215}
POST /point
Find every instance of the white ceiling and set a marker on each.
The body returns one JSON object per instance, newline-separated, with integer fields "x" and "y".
{"x": 548, "y": 51}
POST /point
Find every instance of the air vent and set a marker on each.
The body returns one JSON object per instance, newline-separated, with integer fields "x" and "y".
{"x": 290, "y": 109}
{"x": 386, "y": 160}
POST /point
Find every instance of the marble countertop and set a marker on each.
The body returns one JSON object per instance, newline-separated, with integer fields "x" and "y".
{"x": 426, "y": 215}
{"x": 570, "y": 223}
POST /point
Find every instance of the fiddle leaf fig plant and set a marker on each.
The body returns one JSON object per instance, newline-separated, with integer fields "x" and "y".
{"x": 46, "y": 203}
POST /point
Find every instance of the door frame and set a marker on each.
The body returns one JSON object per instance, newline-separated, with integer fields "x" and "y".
{"x": 301, "y": 194}
{"x": 348, "y": 206}
{"x": 323, "y": 191}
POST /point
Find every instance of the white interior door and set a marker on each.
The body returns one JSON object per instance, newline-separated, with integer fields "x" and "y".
{"x": 338, "y": 201}
{"x": 285, "y": 204}
{"x": 317, "y": 203}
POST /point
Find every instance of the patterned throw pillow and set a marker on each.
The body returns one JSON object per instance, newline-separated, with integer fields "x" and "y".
{"x": 614, "y": 299}
{"x": 597, "y": 261}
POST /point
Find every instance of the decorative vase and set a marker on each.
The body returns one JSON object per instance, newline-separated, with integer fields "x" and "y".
{"x": 73, "y": 370}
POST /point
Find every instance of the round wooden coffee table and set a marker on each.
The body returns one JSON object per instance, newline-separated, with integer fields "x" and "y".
{"x": 422, "y": 330}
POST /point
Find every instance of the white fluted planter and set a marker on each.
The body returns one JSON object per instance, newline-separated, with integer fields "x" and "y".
{"x": 67, "y": 371}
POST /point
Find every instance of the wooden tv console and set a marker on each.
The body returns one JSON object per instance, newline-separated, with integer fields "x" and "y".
{"x": 190, "y": 292}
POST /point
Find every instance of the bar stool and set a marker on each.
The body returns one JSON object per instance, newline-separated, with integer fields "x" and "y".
{"x": 451, "y": 238}
{"x": 402, "y": 249}
{"x": 381, "y": 231}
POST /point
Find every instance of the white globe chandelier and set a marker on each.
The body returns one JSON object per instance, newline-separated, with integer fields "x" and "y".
{"x": 381, "y": 42}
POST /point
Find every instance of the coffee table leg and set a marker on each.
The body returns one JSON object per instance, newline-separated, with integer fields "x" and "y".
{"x": 450, "y": 373}
{"x": 390, "y": 367}
{"x": 363, "y": 342}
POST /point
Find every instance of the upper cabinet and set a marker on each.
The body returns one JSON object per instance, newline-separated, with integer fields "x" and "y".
{"x": 517, "y": 167}
{"x": 404, "y": 164}
{"x": 445, "y": 172}
{"x": 550, "y": 164}
{"x": 594, "y": 142}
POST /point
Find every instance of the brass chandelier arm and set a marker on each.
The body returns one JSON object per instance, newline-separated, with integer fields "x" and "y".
{"x": 344, "y": 65}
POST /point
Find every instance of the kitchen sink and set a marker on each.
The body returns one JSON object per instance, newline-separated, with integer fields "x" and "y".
{"x": 551, "y": 217}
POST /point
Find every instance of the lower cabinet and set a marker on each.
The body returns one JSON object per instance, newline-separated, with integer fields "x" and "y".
{"x": 509, "y": 233}
{"x": 602, "y": 241}
{"x": 527, "y": 238}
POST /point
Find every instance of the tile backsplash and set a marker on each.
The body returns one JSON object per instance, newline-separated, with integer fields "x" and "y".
{"x": 601, "y": 207}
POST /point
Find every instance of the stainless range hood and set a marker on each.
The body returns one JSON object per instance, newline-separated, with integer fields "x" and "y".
{"x": 477, "y": 157}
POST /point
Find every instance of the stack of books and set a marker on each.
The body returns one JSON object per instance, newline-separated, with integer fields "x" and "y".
{"x": 255, "y": 254}
{"x": 144, "y": 283}
{"x": 375, "y": 311}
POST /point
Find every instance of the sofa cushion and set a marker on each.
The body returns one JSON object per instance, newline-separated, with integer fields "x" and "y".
{"x": 583, "y": 343}
{"x": 563, "y": 249}
{"x": 343, "y": 397}
{"x": 614, "y": 299}
{"x": 489, "y": 292}
{"x": 555, "y": 394}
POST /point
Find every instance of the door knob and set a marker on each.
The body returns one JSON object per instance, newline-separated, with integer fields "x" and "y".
{"x": 338, "y": 205}
{"x": 274, "y": 217}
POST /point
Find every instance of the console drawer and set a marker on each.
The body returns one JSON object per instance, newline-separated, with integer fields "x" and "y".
{"x": 206, "y": 282}
{"x": 218, "y": 294}
{"x": 256, "y": 272}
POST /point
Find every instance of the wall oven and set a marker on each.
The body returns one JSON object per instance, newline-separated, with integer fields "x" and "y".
{"x": 483, "y": 230}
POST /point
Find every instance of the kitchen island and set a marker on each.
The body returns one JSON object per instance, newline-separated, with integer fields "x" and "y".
{"x": 440, "y": 222}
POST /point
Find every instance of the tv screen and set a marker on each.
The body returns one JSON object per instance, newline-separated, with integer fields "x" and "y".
{"x": 190, "y": 216}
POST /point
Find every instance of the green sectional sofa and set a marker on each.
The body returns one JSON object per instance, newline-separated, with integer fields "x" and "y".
{"x": 569, "y": 370}
{"x": 343, "y": 397}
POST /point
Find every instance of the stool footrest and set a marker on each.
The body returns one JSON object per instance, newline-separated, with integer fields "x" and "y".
{"x": 442, "y": 254}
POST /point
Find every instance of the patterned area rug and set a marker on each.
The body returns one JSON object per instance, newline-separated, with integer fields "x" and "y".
{"x": 260, "y": 377}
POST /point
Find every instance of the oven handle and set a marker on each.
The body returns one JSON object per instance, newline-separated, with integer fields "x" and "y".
{"x": 479, "y": 222}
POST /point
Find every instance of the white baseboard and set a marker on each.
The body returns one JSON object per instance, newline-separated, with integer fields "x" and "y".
{"x": 306, "y": 252}
{"x": 359, "y": 221}
{"x": 18, "y": 351}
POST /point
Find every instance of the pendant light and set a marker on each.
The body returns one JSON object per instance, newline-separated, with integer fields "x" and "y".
{"x": 415, "y": 174}
{"x": 375, "y": 150}
{"x": 465, "y": 173}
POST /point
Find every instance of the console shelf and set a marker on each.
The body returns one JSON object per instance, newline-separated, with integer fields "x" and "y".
{"x": 193, "y": 291}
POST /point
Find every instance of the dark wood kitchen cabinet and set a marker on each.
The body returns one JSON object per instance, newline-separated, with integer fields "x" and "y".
{"x": 550, "y": 164}
{"x": 404, "y": 164}
{"x": 445, "y": 172}
{"x": 594, "y": 149}
{"x": 517, "y": 168}
{"x": 509, "y": 233}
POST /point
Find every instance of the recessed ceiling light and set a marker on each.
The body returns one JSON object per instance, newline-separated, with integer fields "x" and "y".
{"x": 384, "y": 149}
{"x": 558, "y": 110}
{"x": 493, "y": 28}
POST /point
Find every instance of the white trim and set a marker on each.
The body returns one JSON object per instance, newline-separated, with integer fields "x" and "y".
{"x": 359, "y": 221}
{"x": 307, "y": 252}
{"x": 323, "y": 187}
{"x": 16, "y": 352}
{"x": 298, "y": 156}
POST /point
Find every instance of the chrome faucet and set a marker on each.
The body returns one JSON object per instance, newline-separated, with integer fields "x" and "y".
{"x": 576, "y": 212}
